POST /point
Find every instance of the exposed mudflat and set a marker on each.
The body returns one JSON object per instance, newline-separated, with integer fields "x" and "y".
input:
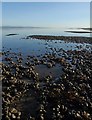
{"x": 51, "y": 86}
{"x": 63, "y": 38}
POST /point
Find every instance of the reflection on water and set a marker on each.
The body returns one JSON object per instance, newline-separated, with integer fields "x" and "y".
{"x": 35, "y": 46}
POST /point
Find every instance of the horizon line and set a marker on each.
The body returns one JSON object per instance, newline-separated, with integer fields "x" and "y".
{"x": 10, "y": 26}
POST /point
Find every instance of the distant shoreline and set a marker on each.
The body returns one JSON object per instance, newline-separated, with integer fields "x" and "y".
{"x": 79, "y": 31}
{"x": 44, "y": 27}
{"x": 11, "y": 34}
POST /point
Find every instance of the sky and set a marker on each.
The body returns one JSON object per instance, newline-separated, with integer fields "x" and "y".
{"x": 46, "y": 14}
{"x": 0, "y": 14}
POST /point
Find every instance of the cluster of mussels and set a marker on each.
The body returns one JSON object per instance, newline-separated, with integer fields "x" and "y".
{"x": 68, "y": 97}
{"x": 64, "y": 38}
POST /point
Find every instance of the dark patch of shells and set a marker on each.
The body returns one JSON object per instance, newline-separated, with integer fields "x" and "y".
{"x": 65, "y": 38}
{"x": 68, "y": 97}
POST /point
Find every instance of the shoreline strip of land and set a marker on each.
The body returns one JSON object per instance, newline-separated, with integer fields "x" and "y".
{"x": 76, "y": 39}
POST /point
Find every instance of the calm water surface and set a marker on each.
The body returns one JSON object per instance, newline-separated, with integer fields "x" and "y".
{"x": 33, "y": 46}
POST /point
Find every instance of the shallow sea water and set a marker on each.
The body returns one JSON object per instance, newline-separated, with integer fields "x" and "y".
{"x": 38, "y": 48}
{"x": 33, "y": 46}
